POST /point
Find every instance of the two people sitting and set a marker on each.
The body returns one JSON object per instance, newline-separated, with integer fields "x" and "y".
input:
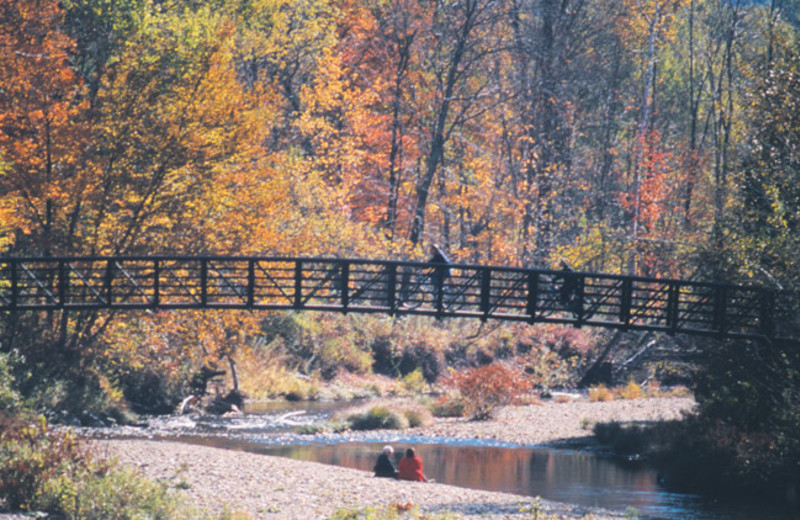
{"x": 408, "y": 468}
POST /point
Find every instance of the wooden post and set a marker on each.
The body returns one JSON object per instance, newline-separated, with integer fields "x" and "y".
{"x": 251, "y": 283}
{"x": 391, "y": 288}
{"x": 486, "y": 290}
{"x": 672, "y": 307}
{"x": 298, "y": 284}
{"x": 62, "y": 284}
{"x": 203, "y": 282}
{"x": 625, "y": 303}
{"x": 156, "y": 286}
{"x": 345, "y": 285}
{"x": 533, "y": 295}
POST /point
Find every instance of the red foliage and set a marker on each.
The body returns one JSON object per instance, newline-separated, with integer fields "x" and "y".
{"x": 489, "y": 387}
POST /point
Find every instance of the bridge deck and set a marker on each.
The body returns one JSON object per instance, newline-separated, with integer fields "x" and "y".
{"x": 353, "y": 285}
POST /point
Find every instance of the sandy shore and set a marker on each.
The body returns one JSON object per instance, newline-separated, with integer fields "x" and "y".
{"x": 276, "y": 488}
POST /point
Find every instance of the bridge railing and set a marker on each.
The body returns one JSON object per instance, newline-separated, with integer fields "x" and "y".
{"x": 354, "y": 285}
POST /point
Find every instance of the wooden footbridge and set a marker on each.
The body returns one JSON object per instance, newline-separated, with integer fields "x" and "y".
{"x": 395, "y": 288}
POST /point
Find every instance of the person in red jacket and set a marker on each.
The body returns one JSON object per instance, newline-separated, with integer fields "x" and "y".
{"x": 410, "y": 467}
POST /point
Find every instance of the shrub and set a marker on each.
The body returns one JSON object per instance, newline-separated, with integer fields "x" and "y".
{"x": 414, "y": 382}
{"x": 148, "y": 392}
{"x": 449, "y": 406}
{"x": 30, "y": 456}
{"x": 54, "y": 472}
{"x": 378, "y": 418}
{"x": 418, "y": 416}
{"x": 485, "y": 389}
{"x": 631, "y": 391}
{"x": 424, "y": 359}
{"x": 120, "y": 494}
{"x": 311, "y": 429}
{"x": 600, "y": 393}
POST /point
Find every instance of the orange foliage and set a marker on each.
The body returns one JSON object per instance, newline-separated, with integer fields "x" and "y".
{"x": 42, "y": 121}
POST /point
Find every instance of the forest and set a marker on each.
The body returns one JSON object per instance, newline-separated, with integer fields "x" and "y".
{"x": 650, "y": 137}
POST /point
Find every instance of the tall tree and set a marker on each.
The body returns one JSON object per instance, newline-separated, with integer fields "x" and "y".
{"x": 455, "y": 51}
{"x": 43, "y": 128}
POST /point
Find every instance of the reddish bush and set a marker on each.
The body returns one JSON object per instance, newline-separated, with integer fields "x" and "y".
{"x": 486, "y": 388}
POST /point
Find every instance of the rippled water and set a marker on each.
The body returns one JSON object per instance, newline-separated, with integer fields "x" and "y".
{"x": 569, "y": 476}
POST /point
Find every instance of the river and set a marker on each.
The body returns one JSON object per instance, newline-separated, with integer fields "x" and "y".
{"x": 572, "y": 476}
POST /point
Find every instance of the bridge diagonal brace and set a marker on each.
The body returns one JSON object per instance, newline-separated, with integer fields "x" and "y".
{"x": 331, "y": 273}
{"x": 603, "y": 298}
{"x": 641, "y": 311}
{"x": 694, "y": 307}
{"x": 87, "y": 283}
{"x": 134, "y": 284}
{"x": 271, "y": 279}
{"x": 39, "y": 284}
{"x": 237, "y": 290}
{"x": 370, "y": 282}
{"x": 186, "y": 288}
{"x": 505, "y": 294}
{"x": 461, "y": 289}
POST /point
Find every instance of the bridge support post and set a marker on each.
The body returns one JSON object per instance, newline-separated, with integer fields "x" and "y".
{"x": 298, "y": 284}
{"x": 345, "y": 285}
{"x": 625, "y": 303}
{"x": 156, "y": 284}
{"x": 486, "y": 289}
{"x": 580, "y": 282}
{"x": 204, "y": 282}
{"x": 391, "y": 289}
{"x": 62, "y": 283}
{"x": 672, "y": 307}
{"x": 533, "y": 295}
{"x": 251, "y": 283}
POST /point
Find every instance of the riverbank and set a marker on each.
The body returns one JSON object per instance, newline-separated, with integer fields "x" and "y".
{"x": 277, "y": 488}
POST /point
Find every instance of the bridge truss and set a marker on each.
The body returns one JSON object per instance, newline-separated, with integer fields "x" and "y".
{"x": 395, "y": 288}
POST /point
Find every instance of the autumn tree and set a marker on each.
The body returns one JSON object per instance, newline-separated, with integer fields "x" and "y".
{"x": 124, "y": 176}
{"x": 44, "y": 127}
{"x": 456, "y": 49}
